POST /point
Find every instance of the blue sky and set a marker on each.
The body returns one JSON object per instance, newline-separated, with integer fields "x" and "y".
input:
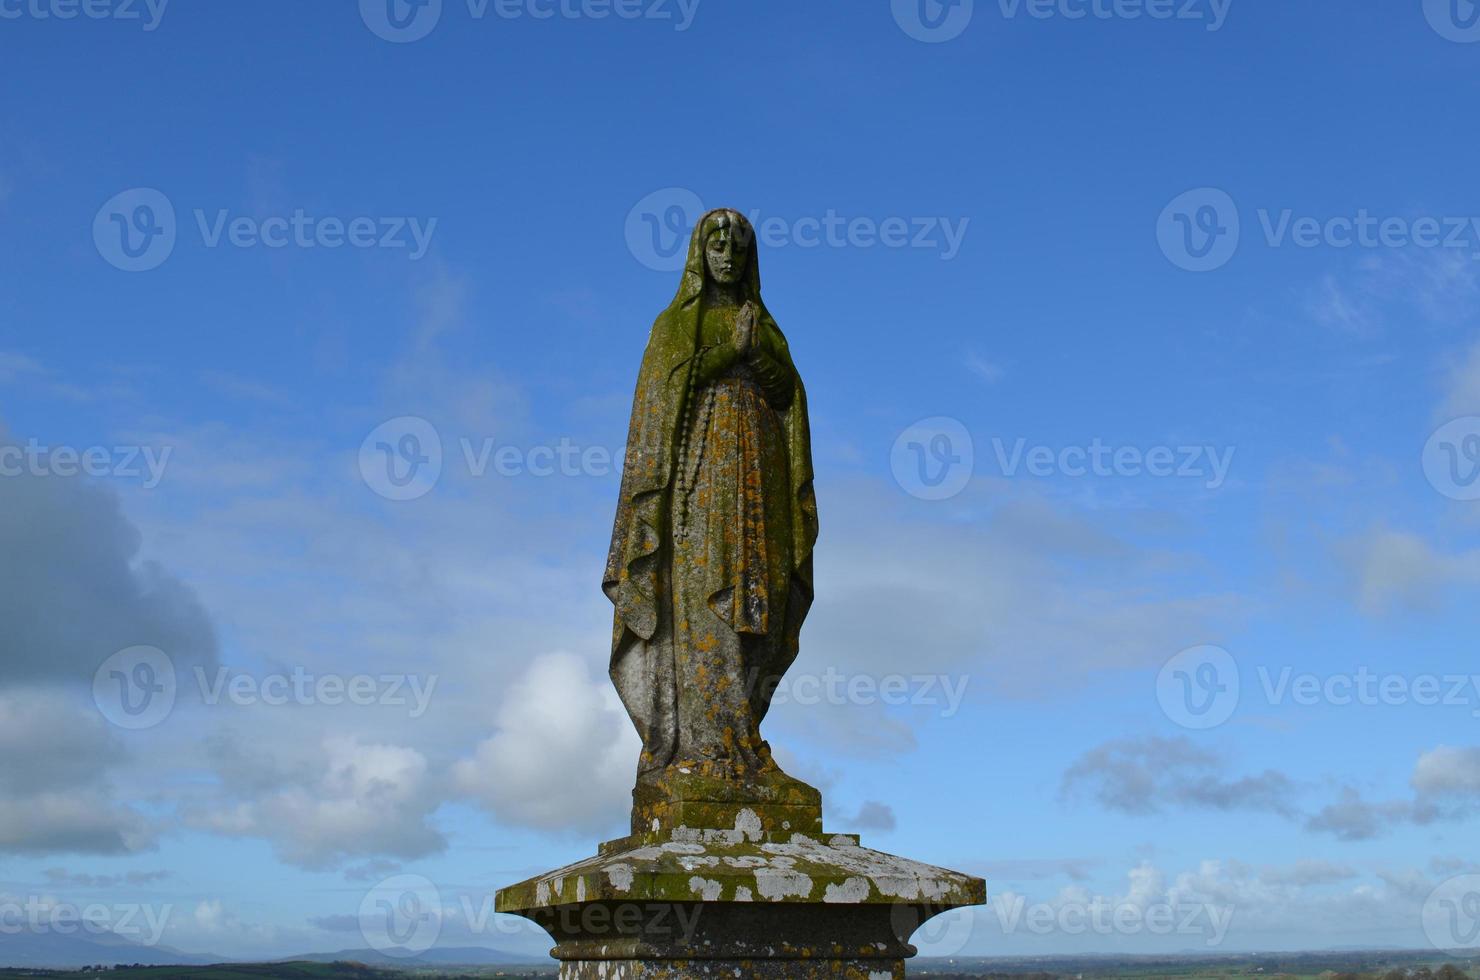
{"x": 1018, "y": 201}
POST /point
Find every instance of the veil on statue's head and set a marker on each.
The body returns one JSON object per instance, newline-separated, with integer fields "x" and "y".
{"x": 696, "y": 269}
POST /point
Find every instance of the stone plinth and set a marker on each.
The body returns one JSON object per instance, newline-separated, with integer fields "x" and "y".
{"x": 739, "y": 903}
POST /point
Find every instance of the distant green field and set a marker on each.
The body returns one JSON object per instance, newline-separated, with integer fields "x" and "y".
{"x": 1297, "y": 966}
{"x": 273, "y": 971}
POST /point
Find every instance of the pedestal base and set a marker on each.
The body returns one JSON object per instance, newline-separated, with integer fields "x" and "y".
{"x": 732, "y": 969}
{"x": 702, "y": 903}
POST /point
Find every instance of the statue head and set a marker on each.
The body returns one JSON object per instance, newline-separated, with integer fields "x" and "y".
{"x": 722, "y": 253}
{"x": 727, "y": 238}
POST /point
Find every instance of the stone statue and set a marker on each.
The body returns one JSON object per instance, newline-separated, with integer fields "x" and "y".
{"x": 710, "y": 566}
{"x": 728, "y": 871}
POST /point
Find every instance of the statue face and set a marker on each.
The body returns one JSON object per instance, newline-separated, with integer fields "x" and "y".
{"x": 726, "y": 253}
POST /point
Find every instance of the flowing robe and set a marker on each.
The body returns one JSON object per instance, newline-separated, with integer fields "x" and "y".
{"x": 710, "y": 568}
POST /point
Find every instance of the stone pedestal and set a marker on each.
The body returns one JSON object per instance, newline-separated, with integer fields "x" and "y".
{"x": 751, "y": 901}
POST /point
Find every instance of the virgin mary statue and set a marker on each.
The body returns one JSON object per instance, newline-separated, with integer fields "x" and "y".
{"x": 710, "y": 566}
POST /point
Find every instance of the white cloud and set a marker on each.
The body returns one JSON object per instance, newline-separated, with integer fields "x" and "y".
{"x": 342, "y": 798}
{"x": 565, "y": 753}
{"x": 989, "y": 371}
{"x": 1399, "y": 570}
{"x": 1448, "y": 771}
{"x": 1461, "y": 387}
{"x": 1218, "y": 906}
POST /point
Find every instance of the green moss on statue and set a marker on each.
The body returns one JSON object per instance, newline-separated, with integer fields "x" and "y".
{"x": 710, "y": 568}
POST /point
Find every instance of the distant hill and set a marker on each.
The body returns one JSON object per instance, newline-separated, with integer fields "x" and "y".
{"x": 228, "y": 971}
{"x": 58, "y": 951}
{"x": 51, "y": 950}
{"x": 437, "y": 956}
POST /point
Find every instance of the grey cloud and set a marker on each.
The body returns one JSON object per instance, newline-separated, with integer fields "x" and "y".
{"x": 1353, "y": 818}
{"x": 1307, "y": 872}
{"x": 63, "y": 877}
{"x": 336, "y": 923}
{"x": 873, "y": 815}
{"x": 1144, "y": 776}
{"x": 73, "y": 591}
{"x": 371, "y": 870}
{"x": 55, "y": 794}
